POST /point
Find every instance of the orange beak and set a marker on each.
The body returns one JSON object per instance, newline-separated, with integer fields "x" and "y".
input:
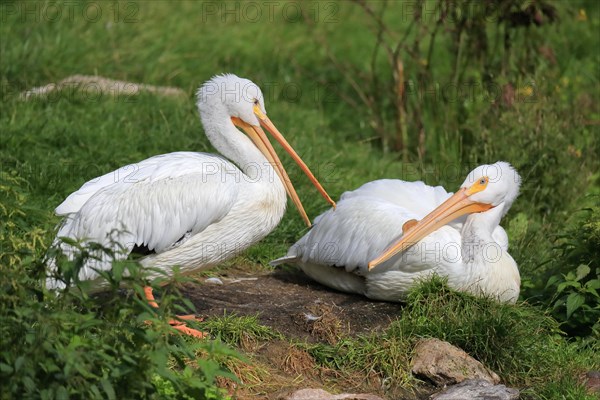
{"x": 457, "y": 205}
{"x": 259, "y": 138}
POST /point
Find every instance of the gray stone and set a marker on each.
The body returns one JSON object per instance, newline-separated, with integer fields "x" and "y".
{"x": 592, "y": 381}
{"x": 444, "y": 364}
{"x": 477, "y": 389}
{"x": 320, "y": 394}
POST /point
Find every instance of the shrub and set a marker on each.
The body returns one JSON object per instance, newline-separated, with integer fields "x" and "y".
{"x": 75, "y": 344}
{"x": 574, "y": 292}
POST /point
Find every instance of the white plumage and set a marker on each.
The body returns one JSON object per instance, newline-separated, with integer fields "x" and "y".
{"x": 471, "y": 251}
{"x": 191, "y": 210}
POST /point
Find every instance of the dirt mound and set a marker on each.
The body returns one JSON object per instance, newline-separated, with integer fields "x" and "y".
{"x": 292, "y": 304}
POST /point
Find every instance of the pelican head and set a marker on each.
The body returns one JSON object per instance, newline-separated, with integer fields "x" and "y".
{"x": 494, "y": 184}
{"x": 486, "y": 187}
{"x": 243, "y": 102}
{"x": 239, "y": 97}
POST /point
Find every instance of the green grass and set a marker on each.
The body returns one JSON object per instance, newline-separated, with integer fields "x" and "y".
{"x": 48, "y": 148}
{"x": 241, "y": 331}
{"x": 524, "y": 346}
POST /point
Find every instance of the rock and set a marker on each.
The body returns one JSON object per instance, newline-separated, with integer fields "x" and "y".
{"x": 477, "y": 389}
{"x": 214, "y": 281}
{"x": 592, "y": 381}
{"x": 444, "y": 364}
{"x": 320, "y": 394}
{"x": 99, "y": 84}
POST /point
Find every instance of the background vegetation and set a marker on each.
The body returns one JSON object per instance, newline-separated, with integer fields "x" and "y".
{"x": 363, "y": 90}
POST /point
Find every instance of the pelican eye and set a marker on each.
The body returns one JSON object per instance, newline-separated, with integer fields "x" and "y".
{"x": 255, "y": 102}
{"x": 478, "y": 186}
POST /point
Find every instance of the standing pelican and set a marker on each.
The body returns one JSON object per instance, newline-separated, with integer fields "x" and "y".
{"x": 373, "y": 245}
{"x": 187, "y": 209}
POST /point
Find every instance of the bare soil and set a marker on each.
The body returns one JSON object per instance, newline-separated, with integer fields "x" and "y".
{"x": 292, "y": 304}
{"x": 302, "y": 310}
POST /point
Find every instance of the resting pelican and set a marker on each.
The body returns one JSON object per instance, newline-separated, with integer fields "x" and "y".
{"x": 186, "y": 209}
{"x": 373, "y": 245}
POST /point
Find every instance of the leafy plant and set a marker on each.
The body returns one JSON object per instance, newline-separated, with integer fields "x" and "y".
{"x": 77, "y": 344}
{"x": 18, "y": 240}
{"x": 575, "y": 291}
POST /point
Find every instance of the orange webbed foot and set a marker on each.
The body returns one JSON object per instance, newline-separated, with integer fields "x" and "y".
{"x": 186, "y": 330}
{"x": 178, "y": 323}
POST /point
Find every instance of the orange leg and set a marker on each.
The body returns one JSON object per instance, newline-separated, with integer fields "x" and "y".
{"x": 150, "y": 297}
{"x": 176, "y": 323}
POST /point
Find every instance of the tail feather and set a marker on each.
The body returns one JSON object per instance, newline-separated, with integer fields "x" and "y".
{"x": 288, "y": 259}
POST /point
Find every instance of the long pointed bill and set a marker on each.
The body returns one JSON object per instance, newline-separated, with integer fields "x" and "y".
{"x": 266, "y": 122}
{"x": 457, "y": 205}
{"x": 259, "y": 138}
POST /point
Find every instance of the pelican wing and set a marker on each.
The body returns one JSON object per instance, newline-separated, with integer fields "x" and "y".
{"x": 155, "y": 203}
{"x": 365, "y": 222}
{"x": 356, "y": 232}
{"x": 417, "y": 197}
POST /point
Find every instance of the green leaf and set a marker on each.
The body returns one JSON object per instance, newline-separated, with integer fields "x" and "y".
{"x": 69, "y": 241}
{"x": 574, "y": 301}
{"x": 593, "y": 292}
{"x": 188, "y": 304}
{"x": 570, "y": 276}
{"x": 582, "y": 271}
{"x": 564, "y": 285}
{"x": 552, "y": 281}
{"x": 62, "y": 393}
{"x": 19, "y": 362}
{"x": 117, "y": 270}
{"x": 593, "y": 284}
{"x": 95, "y": 391}
{"x": 108, "y": 389}
{"x": 6, "y": 368}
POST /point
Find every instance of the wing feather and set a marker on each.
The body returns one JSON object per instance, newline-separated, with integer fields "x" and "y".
{"x": 366, "y": 221}
{"x": 160, "y": 201}
{"x": 415, "y": 196}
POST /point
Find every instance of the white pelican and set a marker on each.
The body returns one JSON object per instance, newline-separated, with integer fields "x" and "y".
{"x": 361, "y": 247}
{"x": 187, "y": 209}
